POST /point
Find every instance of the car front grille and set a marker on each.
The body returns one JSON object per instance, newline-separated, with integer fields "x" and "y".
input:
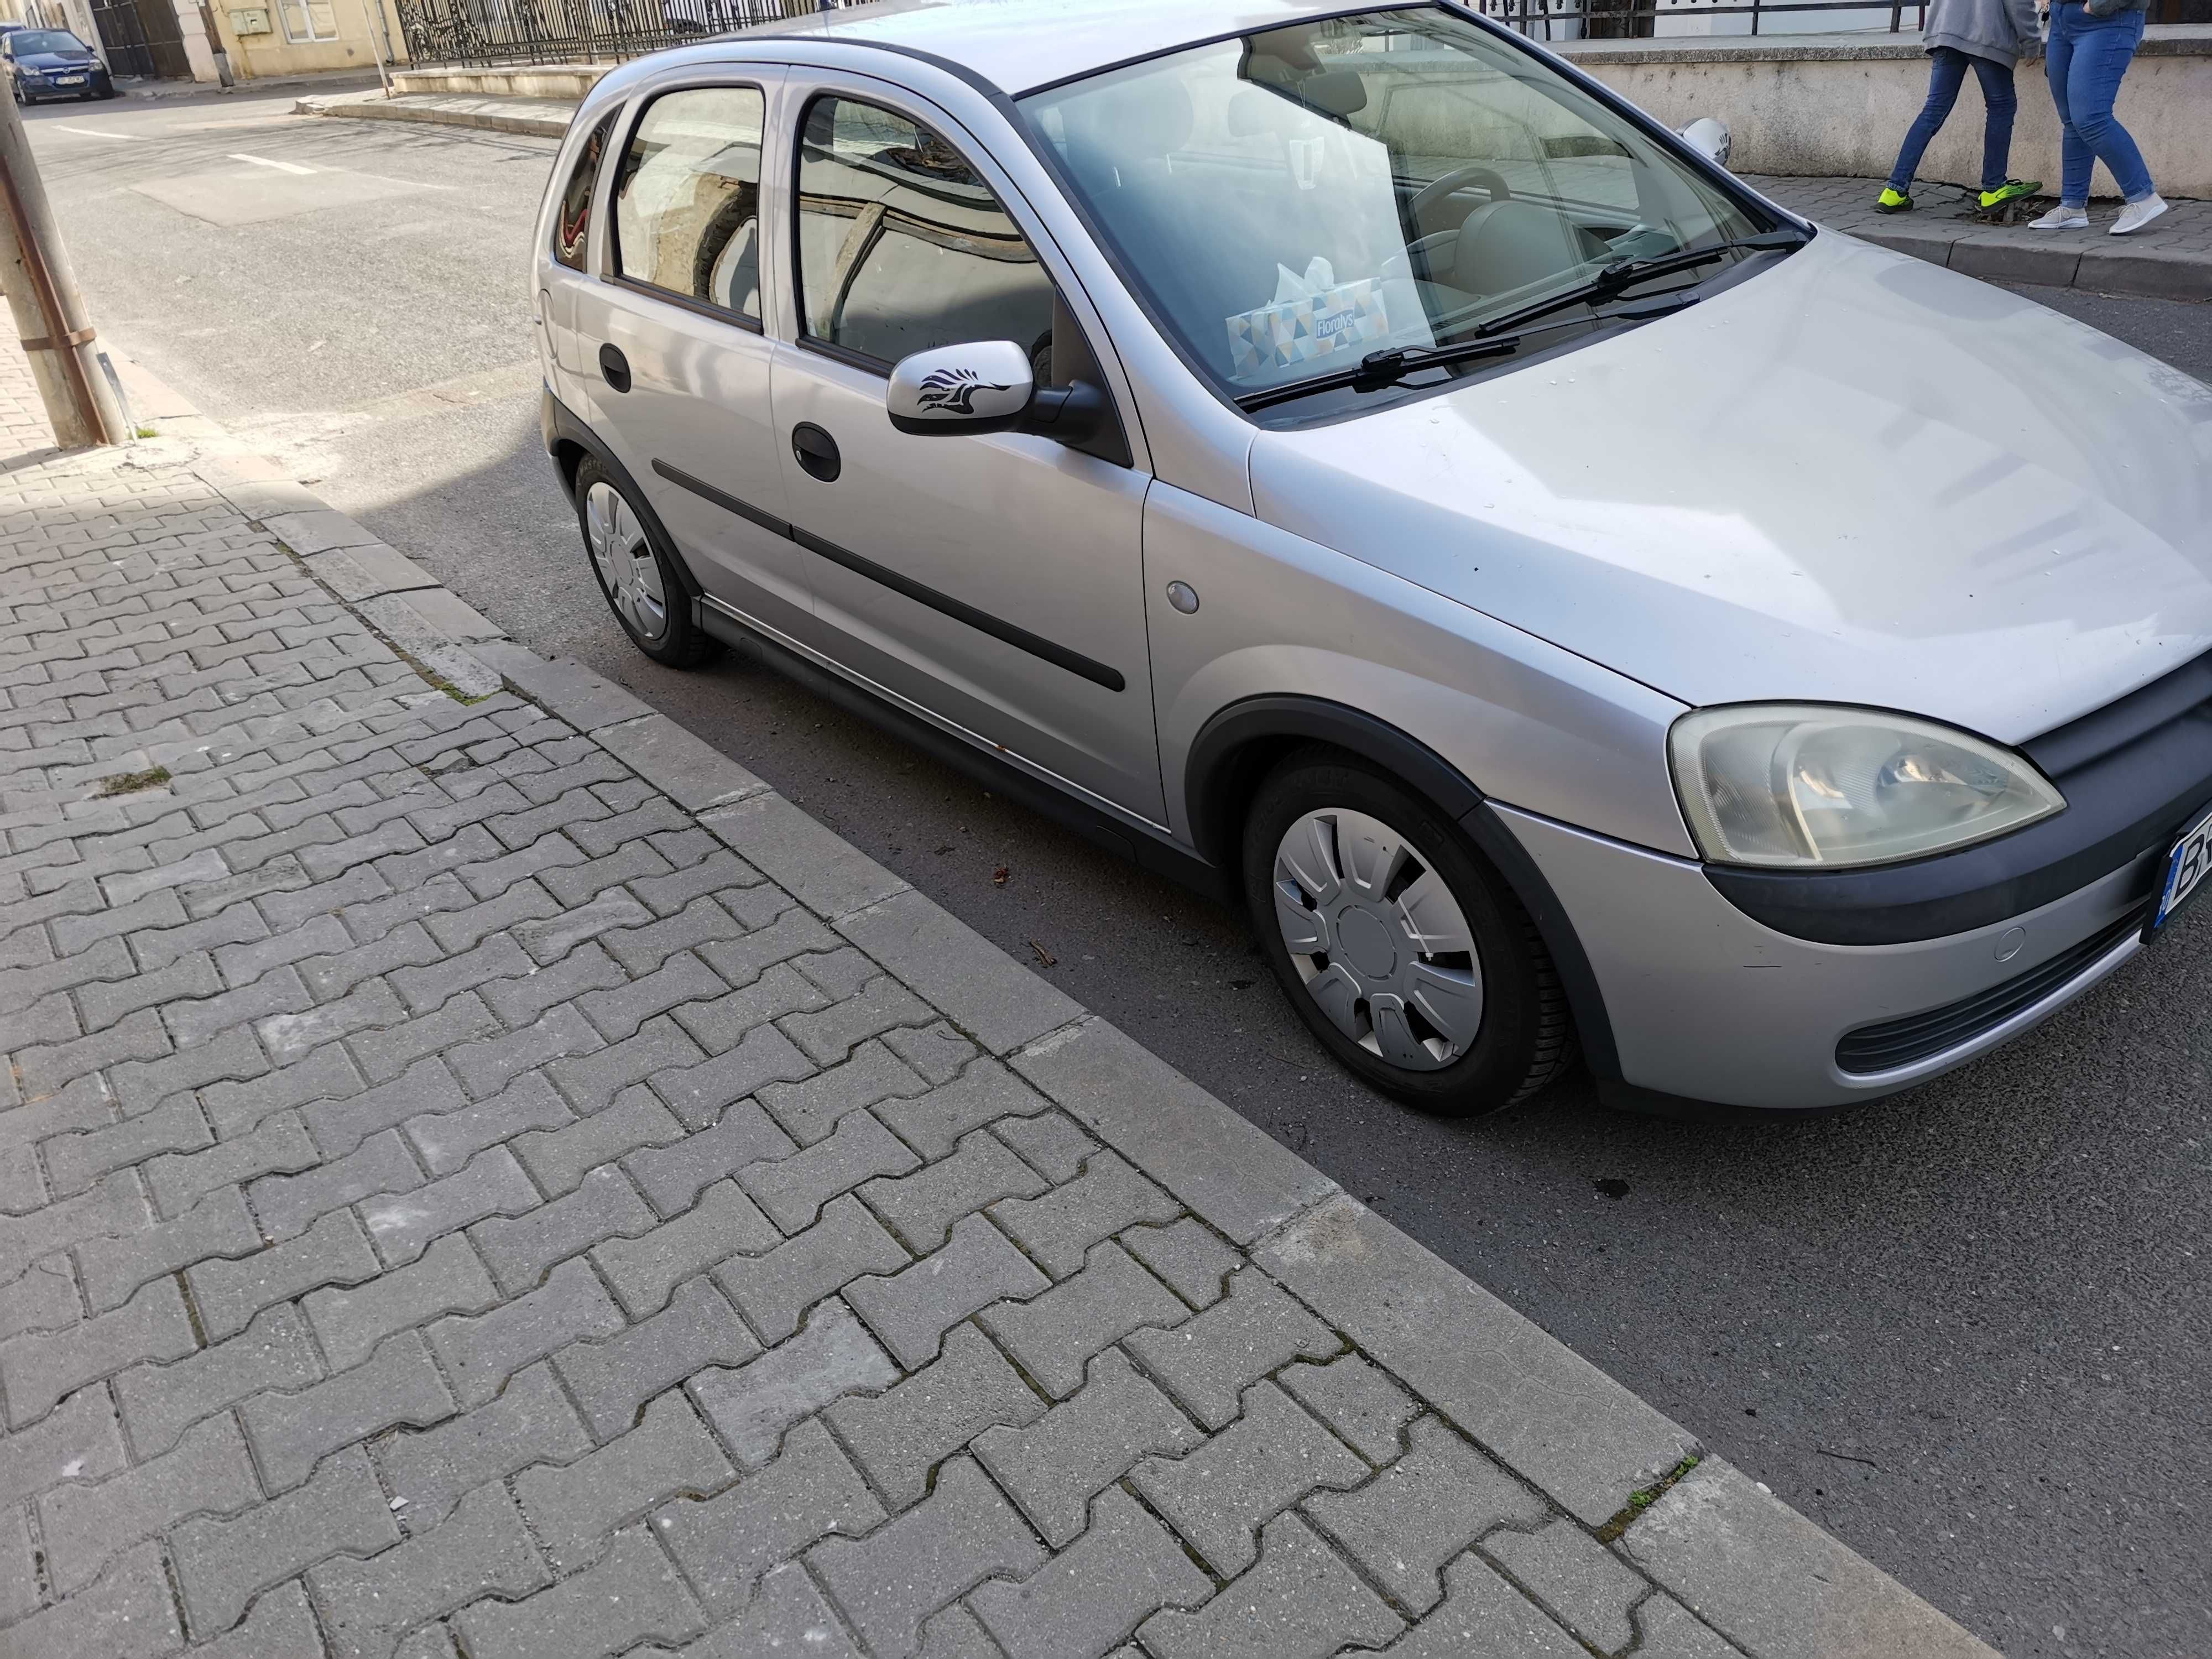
{"x": 1898, "y": 1042}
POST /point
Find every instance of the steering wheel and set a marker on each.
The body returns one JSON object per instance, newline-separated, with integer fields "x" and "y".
{"x": 1437, "y": 189}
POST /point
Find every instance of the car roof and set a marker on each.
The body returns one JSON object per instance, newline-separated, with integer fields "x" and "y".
{"x": 1019, "y": 45}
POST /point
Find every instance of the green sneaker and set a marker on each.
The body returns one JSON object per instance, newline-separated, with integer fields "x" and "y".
{"x": 1892, "y": 200}
{"x": 2011, "y": 190}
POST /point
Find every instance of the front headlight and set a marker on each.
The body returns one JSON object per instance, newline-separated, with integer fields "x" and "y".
{"x": 1804, "y": 785}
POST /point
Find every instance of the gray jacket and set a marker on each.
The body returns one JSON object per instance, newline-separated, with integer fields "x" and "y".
{"x": 2002, "y": 31}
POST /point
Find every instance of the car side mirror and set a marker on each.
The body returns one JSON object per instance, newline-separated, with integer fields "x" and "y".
{"x": 1711, "y": 138}
{"x": 987, "y": 386}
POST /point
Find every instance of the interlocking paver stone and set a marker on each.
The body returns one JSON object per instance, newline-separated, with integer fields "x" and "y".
{"x": 1364, "y": 1404}
{"x": 520, "y": 1249}
{"x": 723, "y": 1223}
{"x": 900, "y": 1435}
{"x": 531, "y": 1422}
{"x": 811, "y": 1110}
{"x": 773, "y": 1290}
{"x": 1191, "y": 1258}
{"x": 292, "y": 1432}
{"x": 278, "y": 1144}
{"x": 228, "y": 1293}
{"x": 752, "y": 1406}
{"x": 158, "y": 1402}
{"x": 76, "y": 1441}
{"x": 222, "y": 1564}
{"x": 45, "y": 1298}
{"x": 1207, "y": 1361}
{"x": 289, "y": 1205}
{"x": 612, "y": 1380}
{"x": 350, "y": 1323}
{"x": 1060, "y": 1228}
{"x": 1051, "y": 1141}
{"x": 479, "y": 1353}
{"x": 932, "y": 1122}
{"x": 1483, "y": 1617}
{"x": 559, "y": 1159}
{"x": 446, "y": 1140}
{"x": 1422, "y": 1511}
{"x": 1585, "y": 1587}
{"x": 792, "y": 1190}
{"x": 486, "y": 1067}
{"x": 1082, "y": 1604}
{"x": 695, "y": 1093}
{"x": 788, "y": 1615}
{"x": 912, "y": 1309}
{"x": 828, "y": 1036}
{"x": 340, "y": 1126}
{"x": 518, "y": 1001}
{"x": 83, "y": 1525}
{"x": 720, "y": 1023}
{"x": 281, "y": 1626}
{"x": 1670, "y": 1631}
{"x": 672, "y": 1178}
{"x": 1055, "y": 1467}
{"x": 112, "y": 1268}
{"x": 481, "y": 1549}
{"x": 328, "y": 1074}
{"x": 921, "y": 1208}
{"x": 491, "y": 1183}
{"x": 39, "y": 1367}
{"x": 632, "y": 1593}
{"x": 128, "y": 1614}
{"x": 572, "y": 1508}
{"x": 963, "y": 1532}
{"x": 1300, "y": 1602}
{"x": 1053, "y": 1336}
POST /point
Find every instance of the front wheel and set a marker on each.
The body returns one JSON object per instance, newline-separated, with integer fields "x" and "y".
{"x": 1399, "y": 944}
{"x": 636, "y": 574}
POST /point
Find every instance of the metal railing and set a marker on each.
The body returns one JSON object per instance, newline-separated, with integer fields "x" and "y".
{"x": 1697, "y": 20}
{"x": 491, "y": 32}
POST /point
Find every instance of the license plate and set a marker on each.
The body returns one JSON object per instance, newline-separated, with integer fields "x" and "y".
{"x": 2186, "y": 867}
{"x": 69, "y": 80}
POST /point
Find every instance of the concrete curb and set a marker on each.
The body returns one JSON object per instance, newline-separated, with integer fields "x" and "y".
{"x": 534, "y": 117}
{"x": 1750, "y": 1567}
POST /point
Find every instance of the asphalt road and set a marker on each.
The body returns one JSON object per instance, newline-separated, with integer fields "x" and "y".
{"x": 1965, "y": 1329}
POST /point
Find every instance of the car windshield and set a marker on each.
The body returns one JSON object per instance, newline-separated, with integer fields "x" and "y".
{"x": 1297, "y": 200}
{"x": 24, "y": 42}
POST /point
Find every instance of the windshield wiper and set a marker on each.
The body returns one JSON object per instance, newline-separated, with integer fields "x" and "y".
{"x": 1378, "y": 369}
{"x": 1622, "y": 275}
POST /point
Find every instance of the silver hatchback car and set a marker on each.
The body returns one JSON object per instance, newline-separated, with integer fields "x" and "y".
{"x": 1352, "y": 460}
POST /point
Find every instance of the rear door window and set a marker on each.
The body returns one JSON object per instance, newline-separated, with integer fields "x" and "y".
{"x": 687, "y": 200}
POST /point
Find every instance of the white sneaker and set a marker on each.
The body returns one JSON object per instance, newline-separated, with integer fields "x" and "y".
{"x": 2136, "y": 214}
{"x": 2062, "y": 217}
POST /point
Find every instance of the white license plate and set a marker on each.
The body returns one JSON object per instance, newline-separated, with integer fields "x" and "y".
{"x": 69, "y": 80}
{"x": 2186, "y": 868}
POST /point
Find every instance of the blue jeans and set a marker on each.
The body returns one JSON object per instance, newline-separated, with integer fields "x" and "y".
{"x": 1946, "y": 76}
{"x": 2086, "y": 59}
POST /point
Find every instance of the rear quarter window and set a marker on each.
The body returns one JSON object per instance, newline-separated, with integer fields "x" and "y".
{"x": 572, "y": 228}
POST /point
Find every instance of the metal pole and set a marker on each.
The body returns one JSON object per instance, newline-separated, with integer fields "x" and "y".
{"x": 49, "y": 312}
{"x": 383, "y": 74}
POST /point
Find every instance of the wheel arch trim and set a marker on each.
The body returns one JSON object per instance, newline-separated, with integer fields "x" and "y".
{"x": 1238, "y": 742}
{"x": 562, "y": 429}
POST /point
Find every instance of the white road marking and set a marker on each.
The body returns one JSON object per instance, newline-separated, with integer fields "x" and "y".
{"x": 93, "y": 132}
{"x": 263, "y": 162}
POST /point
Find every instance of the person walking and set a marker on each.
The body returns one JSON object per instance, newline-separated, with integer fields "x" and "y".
{"x": 1989, "y": 37}
{"x": 2091, "y": 47}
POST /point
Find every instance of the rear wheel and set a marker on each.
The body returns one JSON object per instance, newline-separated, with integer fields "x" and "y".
{"x": 636, "y": 574}
{"x": 1401, "y": 948}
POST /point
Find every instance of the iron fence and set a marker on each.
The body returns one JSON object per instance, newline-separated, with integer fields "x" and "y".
{"x": 1638, "y": 19}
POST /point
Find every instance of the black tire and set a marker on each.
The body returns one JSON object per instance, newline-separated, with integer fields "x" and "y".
{"x": 1525, "y": 1037}
{"x": 681, "y": 643}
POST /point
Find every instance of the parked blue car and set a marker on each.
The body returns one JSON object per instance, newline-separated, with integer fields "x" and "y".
{"x": 52, "y": 63}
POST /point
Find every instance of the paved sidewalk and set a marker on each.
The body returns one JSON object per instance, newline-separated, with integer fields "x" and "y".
{"x": 2170, "y": 258}
{"x": 481, "y": 1173}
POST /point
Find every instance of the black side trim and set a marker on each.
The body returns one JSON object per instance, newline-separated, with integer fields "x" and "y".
{"x": 1143, "y": 847}
{"x": 2133, "y": 773}
{"x": 1216, "y": 782}
{"x": 721, "y": 498}
{"x": 1896, "y": 1042}
{"x": 960, "y": 610}
{"x": 559, "y": 425}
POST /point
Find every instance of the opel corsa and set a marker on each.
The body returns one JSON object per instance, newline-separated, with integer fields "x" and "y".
{"x": 1353, "y": 460}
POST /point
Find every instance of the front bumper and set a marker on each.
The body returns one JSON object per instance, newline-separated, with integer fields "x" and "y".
{"x": 1708, "y": 1005}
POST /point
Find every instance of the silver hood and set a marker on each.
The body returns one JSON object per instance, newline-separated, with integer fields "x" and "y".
{"x": 1855, "y": 478}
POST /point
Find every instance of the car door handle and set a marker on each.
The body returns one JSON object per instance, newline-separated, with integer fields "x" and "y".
{"x": 614, "y": 367}
{"x": 817, "y": 452}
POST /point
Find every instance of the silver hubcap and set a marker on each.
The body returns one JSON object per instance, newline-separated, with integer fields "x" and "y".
{"x": 625, "y": 560}
{"x": 1382, "y": 945}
